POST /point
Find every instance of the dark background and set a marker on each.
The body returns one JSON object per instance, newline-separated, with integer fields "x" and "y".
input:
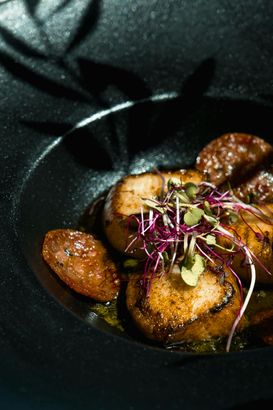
{"x": 60, "y": 62}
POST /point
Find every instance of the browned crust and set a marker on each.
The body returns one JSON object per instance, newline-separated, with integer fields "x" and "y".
{"x": 214, "y": 319}
{"x": 262, "y": 247}
{"x": 82, "y": 263}
{"x": 233, "y": 156}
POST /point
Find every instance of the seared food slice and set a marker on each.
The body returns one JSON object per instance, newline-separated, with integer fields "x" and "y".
{"x": 127, "y": 198}
{"x": 258, "y": 187}
{"x": 257, "y": 234}
{"x": 175, "y": 312}
{"x": 243, "y": 160}
{"x": 82, "y": 263}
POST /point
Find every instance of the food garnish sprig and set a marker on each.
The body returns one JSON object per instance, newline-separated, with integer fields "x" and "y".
{"x": 190, "y": 227}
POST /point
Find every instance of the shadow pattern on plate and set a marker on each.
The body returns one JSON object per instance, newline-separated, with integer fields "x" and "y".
{"x": 90, "y": 78}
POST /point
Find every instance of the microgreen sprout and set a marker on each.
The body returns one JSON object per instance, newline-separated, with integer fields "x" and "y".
{"x": 190, "y": 227}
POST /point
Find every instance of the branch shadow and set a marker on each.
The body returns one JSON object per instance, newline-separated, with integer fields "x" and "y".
{"x": 84, "y": 148}
{"x": 96, "y": 77}
{"x": 87, "y": 24}
{"x": 31, "y": 6}
{"x": 87, "y": 150}
{"x": 161, "y": 120}
{"x": 19, "y": 45}
{"x": 22, "y": 72}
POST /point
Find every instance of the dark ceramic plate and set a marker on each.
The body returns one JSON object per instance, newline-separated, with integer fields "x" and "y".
{"x": 89, "y": 93}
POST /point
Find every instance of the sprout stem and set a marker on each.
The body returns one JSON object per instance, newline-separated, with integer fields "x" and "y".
{"x": 246, "y": 301}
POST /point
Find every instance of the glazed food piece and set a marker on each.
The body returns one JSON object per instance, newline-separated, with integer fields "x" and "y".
{"x": 243, "y": 160}
{"x": 258, "y": 186}
{"x": 175, "y": 312}
{"x": 82, "y": 263}
{"x": 126, "y": 199}
{"x": 257, "y": 234}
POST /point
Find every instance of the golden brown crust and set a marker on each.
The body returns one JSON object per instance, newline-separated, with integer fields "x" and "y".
{"x": 82, "y": 263}
{"x": 232, "y": 156}
{"x": 258, "y": 186}
{"x": 175, "y": 312}
{"x": 261, "y": 245}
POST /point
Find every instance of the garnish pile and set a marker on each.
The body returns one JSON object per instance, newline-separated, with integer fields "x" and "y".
{"x": 190, "y": 228}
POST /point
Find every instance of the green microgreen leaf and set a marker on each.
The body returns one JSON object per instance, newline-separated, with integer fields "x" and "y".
{"x": 199, "y": 264}
{"x": 130, "y": 263}
{"x": 165, "y": 256}
{"x": 207, "y": 208}
{"x": 173, "y": 182}
{"x": 191, "y": 190}
{"x": 183, "y": 197}
{"x": 192, "y": 269}
{"x": 232, "y": 217}
{"x": 189, "y": 277}
{"x": 152, "y": 204}
{"x": 250, "y": 198}
{"x": 213, "y": 221}
{"x": 193, "y": 216}
{"x": 210, "y": 239}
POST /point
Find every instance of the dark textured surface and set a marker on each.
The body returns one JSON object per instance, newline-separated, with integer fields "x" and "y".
{"x": 61, "y": 62}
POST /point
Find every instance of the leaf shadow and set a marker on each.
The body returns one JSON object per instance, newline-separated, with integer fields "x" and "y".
{"x": 81, "y": 144}
{"x": 96, "y": 77}
{"x": 19, "y": 45}
{"x": 59, "y": 8}
{"x": 87, "y": 24}
{"x": 87, "y": 150}
{"x": 48, "y": 128}
{"x": 39, "y": 81}
{"x": 162, "y": 120}
{"x": 31, "y": 6}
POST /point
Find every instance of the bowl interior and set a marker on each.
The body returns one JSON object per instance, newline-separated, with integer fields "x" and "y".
{"x": 164, "y": 132}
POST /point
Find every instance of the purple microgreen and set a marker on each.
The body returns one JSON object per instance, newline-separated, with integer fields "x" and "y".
{"x": 177, "y": 214}
{"x": 186, "y": 225}
{"x": 206, "y": 255}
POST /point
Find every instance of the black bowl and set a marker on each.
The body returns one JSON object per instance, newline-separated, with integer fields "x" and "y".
{"x": 91, "y": 93}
